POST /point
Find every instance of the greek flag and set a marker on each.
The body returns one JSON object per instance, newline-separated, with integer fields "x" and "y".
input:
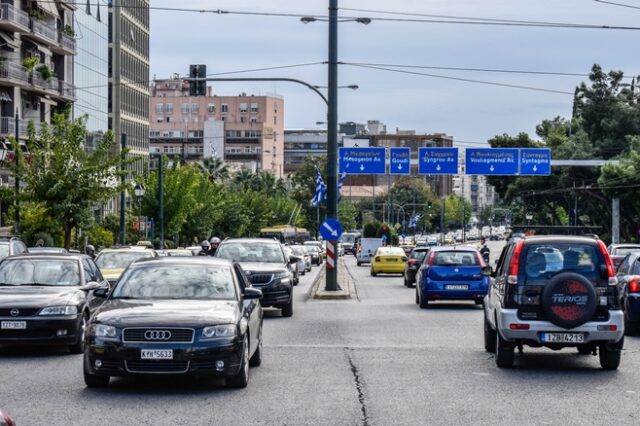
{"x": 413, "y": 222}
{"x": 341, "y": 182}
{"x": 321, "y": 189}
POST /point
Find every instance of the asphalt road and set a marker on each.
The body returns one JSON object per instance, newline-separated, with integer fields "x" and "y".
{"x": 374, "y": 360}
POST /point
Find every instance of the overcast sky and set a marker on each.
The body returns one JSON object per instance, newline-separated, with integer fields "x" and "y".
{"x": 469, "y": 112}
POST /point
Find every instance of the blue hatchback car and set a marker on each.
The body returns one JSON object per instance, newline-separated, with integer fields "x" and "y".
{"x": 452, "y": 273}
{"x": 629, "y": 292}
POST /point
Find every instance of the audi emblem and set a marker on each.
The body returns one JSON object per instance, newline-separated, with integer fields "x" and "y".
{"x": 15, "y": 312}
{"x": 157, "y": 335}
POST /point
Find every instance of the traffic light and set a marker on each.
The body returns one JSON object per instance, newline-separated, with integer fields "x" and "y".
{"x": 429, "y": 205}
{"x": 197, "y": 88}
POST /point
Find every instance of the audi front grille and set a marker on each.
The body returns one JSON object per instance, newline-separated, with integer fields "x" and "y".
{"x": 158, "y": 335}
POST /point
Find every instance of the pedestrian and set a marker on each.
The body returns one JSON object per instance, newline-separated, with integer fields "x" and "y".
{"x": 484, "y": 250}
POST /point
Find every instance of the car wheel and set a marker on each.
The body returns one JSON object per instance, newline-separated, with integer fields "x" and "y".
{"x": 489, "y": 337}
{"x": 406, "y": 281}
{"x": 417, "y": 296}
{"x": 610, "y": 355}
{"x": 373, "y": 274}
{"x": 78, "y": 347}
{"x": 504, "y": 352}
{"x": 241, "y": 379}
{"x": 93, "y": 380}
{"x": 256, "y": 358}
{"x": 358, "y": 263}
{"x": 422, "y": 301}
{"x": 287, "y": 310}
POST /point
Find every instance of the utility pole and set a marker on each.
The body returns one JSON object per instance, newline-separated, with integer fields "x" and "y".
{"x": 161, "y": 199}
{"x": 442, "y": 213}
{"x": 615, "y": 219}
{"x": 123, "y": 146}
{"x": 16, "y": 205}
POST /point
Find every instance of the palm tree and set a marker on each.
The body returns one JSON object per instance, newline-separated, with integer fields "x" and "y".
{"x": 244, "y": 179}
{"x": 265, "y": 182}
{"x": 215, "y": 169}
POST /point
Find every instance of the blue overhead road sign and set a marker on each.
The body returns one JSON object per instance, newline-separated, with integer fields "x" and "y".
{"x": 535, "y": 161}
{"x": 363, "y": 161}
{"x": 400, "y": 161}
{"x": 438, "y": 161}
{"x": 491, "y": 161}
{"x": 331, "y": 229}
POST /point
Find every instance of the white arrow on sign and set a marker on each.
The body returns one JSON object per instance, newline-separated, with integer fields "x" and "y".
{"x": 438, "y": 168}
{"x": 535, "y": 168}
{"x": 362, "y": 167}
{"x": 330, "y": 229}
{"x": 491, "y": 168}
{"x": 400, "y": 166}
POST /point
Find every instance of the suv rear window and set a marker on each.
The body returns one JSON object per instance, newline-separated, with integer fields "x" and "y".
{"x": 542, "y": 261}
{"x": 456, "y": 258}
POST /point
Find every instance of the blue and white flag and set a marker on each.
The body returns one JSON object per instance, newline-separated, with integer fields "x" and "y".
{"x": 341, "y": 182}
{"x": 321, "y": 189}
{"x": 413, "y": 222}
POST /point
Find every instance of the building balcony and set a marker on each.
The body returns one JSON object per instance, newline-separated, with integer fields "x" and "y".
{"x": 48, "y": 86}
{"x": 43, "y": 32}
{"x": 66, "y": 45}
{"x": 13, "y": 19}
{"x": 242, "y": 140}
{"x": 8, "y": 127}
{"x": 13, "y": 74}
{"x": 67, "y": 91}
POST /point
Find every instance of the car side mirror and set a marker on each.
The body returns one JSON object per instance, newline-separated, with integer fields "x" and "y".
{"x": 91, "y": 285}
{"x": 102, "y": 291}
{"x": 487, "y": 271}
{"x": 252, "y": 293}
{"x": 294, "y": 259}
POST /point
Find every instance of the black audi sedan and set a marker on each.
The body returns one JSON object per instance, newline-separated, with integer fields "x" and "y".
{"x": 194, "y": 316}
{"x": 47, "y": 299}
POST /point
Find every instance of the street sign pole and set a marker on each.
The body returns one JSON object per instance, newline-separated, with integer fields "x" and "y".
{"x": 332, "y": 137}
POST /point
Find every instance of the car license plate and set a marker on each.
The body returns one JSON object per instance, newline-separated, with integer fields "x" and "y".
{"x": 457, "y": 287}
{"x": 562, "y": 337}
{"x": 156, "y": 354}
{"x": 13, "y": 325}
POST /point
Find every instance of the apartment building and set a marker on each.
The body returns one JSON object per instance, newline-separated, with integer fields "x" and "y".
{"x": 247, "y": 131}
{"x": 129, "y": 77}
{"x": 37, "y": 45}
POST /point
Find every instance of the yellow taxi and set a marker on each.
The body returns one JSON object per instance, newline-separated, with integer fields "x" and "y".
{"x": 112, "y": 262}
{"x": 388, "y": 260}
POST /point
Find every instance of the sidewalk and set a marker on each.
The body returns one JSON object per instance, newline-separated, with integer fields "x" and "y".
{"x": 345, "y": 282}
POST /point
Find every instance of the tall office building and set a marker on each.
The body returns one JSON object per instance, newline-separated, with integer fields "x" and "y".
{"x": 91, "y": 69}
{"x": 129, "y": 76}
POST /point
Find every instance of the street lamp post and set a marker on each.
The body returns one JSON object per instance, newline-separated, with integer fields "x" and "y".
{"x": 139, "y": 191}
{"x": 528, "y": 216}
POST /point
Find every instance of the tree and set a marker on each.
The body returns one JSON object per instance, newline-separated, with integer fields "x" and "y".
{"x": 216, "y": 169}
{"x": 67, "y": 180}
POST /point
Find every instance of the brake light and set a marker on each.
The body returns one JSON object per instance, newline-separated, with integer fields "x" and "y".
{"x": 377, "y": 259}
{"x": 514, "y": 267}
{"x": 634, "y": 284}
{"x": 432, "y": 259}
{"x": 480, "y": 259}
{"x": 519, "y": 326}
{"x": 607, "y": 260}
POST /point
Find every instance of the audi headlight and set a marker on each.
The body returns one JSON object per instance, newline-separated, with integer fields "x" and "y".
{"x": 59, "y": 310}
{"x": 226, "y": 330}
{"x": 102, "y": 330}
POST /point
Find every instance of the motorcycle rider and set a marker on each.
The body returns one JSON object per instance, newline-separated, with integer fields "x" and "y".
{"x": 205, "y": 248}
{"x": 215, "y": 242}
{"x": 90, "y": 251}
{"x": 484, "y": 250}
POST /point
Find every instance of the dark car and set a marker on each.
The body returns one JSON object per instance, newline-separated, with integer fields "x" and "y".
{"x": 416, "y": 257}
{"x": 267, "y": 268}
{"x": 316, "y": 255}
{"x": 629, "y": 292}
{"x": 554, "y": 292}
{"x": 47, "y": 299}
{"x": 195, "y": 316}
{"x": 10, "y": 246}
{"x": 452, "y": 273}
{"x": 620, "y": 251}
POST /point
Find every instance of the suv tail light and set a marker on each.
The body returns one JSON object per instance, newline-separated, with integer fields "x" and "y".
{"x": 613, "y": 280}
{"x": 514, "y": 267}
{"x": 634, "y": 284}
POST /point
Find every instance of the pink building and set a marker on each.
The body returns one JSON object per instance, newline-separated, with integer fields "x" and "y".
{"x": 247, "y": 131}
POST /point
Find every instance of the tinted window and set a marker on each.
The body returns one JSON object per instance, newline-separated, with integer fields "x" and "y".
{"x": 45, "y": 271}
{"x": 177, "y": 282}
{"x": 621, "y": 251}
{"x": 88, "y": 272}
{"x": 636, "y": 267}
{"x": 456, "y": 258}
{"x": 419, "y": 255}
{"x": 251, "y": 252}
{"x": 544, "y": 260}
{"x": 624, "y": 266}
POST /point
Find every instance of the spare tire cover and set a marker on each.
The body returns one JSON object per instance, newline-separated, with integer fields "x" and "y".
{"x": 569, "y": 300}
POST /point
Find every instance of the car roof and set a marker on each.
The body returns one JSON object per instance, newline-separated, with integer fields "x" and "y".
{"x": 185, "y": 260}
{"x": 560, "y": 239}
{"x": 126, "y": 249}
{"x": 251, "y": 240}
{"x": 75, "y": 256}
{"x": 623, "y": 245}
{"x": 454, "y": 248}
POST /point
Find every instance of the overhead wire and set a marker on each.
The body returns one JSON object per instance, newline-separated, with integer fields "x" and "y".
{"x": 618, "y": 4}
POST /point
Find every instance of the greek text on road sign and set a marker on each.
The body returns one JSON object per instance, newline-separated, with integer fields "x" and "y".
{"x": 331, "y": 229}
{"x": 399, "y": 161}
{"x": 438, "y": 161}
{"x": 363, "y": 161}
{"x": 535, "y": 161}
{"x": 492, "y": 161}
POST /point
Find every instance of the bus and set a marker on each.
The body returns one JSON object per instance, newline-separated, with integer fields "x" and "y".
{"x": 286, "y": 234}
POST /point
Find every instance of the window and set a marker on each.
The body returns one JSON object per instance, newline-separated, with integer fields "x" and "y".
{"x": 243, "y": 107}
{"x": 253, "y": 133}
{"x": 254, "y": 107}
{"x": 194, "y": 108}
{"x": 224, "y": 108}
{"x": 243, "y": 119}
{"x": 169, "y": 108}
{"x": 233, "y": 134}
{"x": 194, "y": 119}
{"x": 211, "y": 108}
{"x": 253, "y": 119}
{"x": 160, "y": 119}
{"x": 247, "y": 149}
{"x": 184, "y": 108}
{"x": 169, "y": 119}
{"x": 154, "y": 134}
{"x": 159, "y": 108}
{"x": 275, "y": 120}
{"x": 223, "y": 118}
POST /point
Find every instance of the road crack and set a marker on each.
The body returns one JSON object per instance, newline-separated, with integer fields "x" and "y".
{"x": 359, "y": 387}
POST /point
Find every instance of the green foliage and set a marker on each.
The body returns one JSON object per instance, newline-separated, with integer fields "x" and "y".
{"x": 99, "y": 236}
{"x": 370, "y": 230}
{"x": 68, "y": 30}
{"x": 45, "y": 237}
{"x": 347, "y": 214}
{"x": 30, "y": 62}
{"x": 35, "y": 220}
{"x": 45, "y": 72}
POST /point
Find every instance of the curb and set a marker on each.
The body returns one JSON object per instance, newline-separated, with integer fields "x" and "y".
{"x": 345, "y": 281}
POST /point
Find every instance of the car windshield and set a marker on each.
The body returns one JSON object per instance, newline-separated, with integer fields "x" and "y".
{"x": 176, "y": 282}
{"x": 544, "y": 260}
{"x": 623, "y": 251}
{"x": 179, "y": 253}
{"x": 313, "y": 249}
{"x": 456, "y": 258}
{"x": 120, "y": 259}
{"x": 348, "y": 238}
{"x": 299, "y": 250}
{"x": 390, "y": 251}
{"x": 251, "y": 252}
{"x": 4, "y": 250}
{"x": 40, "y": 271}
{"x": 418, "y": 255}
